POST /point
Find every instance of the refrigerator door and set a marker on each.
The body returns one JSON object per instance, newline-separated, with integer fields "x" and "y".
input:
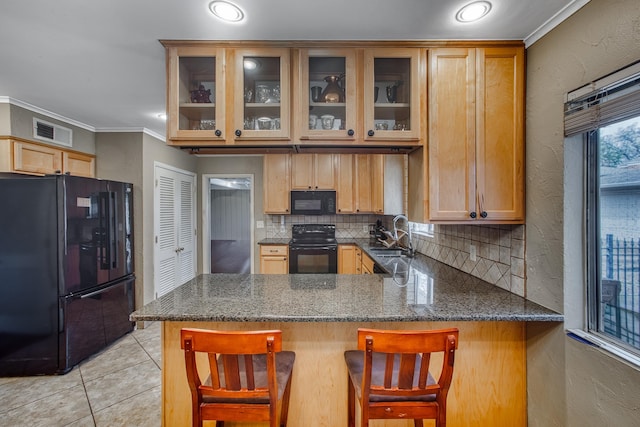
{"x": 28, "y": 277}
{"x": 119, "y": 229}
{"x": 83, "y": 233}
{"x": 94, "y": 319}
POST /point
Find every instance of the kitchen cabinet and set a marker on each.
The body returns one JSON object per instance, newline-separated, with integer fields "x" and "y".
{"x": 218, "y": 95}
{"x": 274, "y": 259}
{"x": 349, "y": 259}
{"x": 367, "y": 264}
{"x": 261, "y": 94}
{"x": 38, "y": 159}
{"x": 392, "y": 94}
{"x": 196, "y": 100}
{"x": 360, "y": 183}
{"x": 325, "y": 99}
{"x": 277, "y": 183}
{"x": 476, "y": 143}
{"x": 313, "y": 172}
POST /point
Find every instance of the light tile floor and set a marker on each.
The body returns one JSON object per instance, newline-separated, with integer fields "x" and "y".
{"x": 120, "y": 386}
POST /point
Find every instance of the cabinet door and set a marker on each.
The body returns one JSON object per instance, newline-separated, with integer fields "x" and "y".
{"x": 36, "y": 159}
{"x": 78, "y": 164}
{"x": 392, "y": 94}
{"x": 345, "y": 184}
{"x": 261, "y": 93}
{"x": 346, "y": 259}
{"x": 326, "y": 94}
{"x": 302, "y": 171}
{"x": 196, "y": 95}
{"x": 500, "y": 134}
{"x": 363, "y": 185}
{"x": 451, "y": 133}
{"x": 324, "y": 171}
{"x": 274, "y": 265}
{"x": 377, "y": 184}
{"x": 276, "y": 183}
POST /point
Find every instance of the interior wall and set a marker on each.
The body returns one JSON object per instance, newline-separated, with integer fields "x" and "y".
{"x": 5, "y": 119}
{"x": 83, "y": 140}
{"x": 569, "y": 383}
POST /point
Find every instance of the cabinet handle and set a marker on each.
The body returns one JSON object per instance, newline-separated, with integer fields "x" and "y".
{"x": 238, "y": 132}
{"x": 483, "y": 214}
{"x": 371, "y": 132}
{"x": 350, "y": 132}
{"x": 473, "y": 215}
{"x": 218, "y": 132}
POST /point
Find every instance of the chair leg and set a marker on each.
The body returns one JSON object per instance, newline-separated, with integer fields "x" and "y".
{"x": 284, "y": 411}
{"x": 219, "y": 423}
{"x": 418, "y": 423}
{"x": 351, "y": 404}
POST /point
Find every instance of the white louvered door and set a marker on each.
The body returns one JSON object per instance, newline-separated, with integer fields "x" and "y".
{"x": 174, "y": 228}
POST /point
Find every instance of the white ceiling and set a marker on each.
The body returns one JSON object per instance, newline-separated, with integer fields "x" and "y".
{"x": 100, "y": 64}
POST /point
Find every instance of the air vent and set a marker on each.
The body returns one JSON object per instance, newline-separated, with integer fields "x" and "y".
{"x": 50, "y": 132}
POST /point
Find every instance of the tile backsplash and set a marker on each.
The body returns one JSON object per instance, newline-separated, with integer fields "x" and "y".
{"x": 500, "y": 249}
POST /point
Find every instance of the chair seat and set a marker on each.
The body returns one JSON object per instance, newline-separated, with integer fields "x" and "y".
{"x": 355, "y": 365}
{"x": 284, "y": 367}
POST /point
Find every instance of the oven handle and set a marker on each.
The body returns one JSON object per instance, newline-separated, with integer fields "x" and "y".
{"x": 315, "y": 248}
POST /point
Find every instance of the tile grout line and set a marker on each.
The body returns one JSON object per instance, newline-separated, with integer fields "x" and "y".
{"x": 87, "y": 396}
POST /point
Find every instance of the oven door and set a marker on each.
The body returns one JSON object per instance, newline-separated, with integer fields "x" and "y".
{"x": 317, "y": 259}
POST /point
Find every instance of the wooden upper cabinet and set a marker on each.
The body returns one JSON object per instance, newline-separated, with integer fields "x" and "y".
{"x": 78, "y": 164}
{"x": 39, "y": 159}
{"x": 196, "y": 94}
{"x": 277, "y": 184}
{"x": 313, "y": 172}
{"x": 345, "y": 202}
{"x": 476, "y": 145}
{"x": 325, "y": 98}
{"x": 392, "y": 94}
{"x": 261, "y": 94}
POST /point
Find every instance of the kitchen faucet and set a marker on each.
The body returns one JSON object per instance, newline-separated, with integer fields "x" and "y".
{"x": 409, "y": 247}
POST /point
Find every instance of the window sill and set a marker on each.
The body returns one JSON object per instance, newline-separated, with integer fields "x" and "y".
{"x": 609, "y": 348}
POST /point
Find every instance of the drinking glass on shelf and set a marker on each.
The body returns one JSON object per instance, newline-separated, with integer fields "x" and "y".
{"x": 249, "y": 123}
{"x": 313, "y": 119}
{"x": 327, "y": 121}
{"x": 248, "y": 95}
{"x": 263, "y": 93}
{"x": 264, "y": 123}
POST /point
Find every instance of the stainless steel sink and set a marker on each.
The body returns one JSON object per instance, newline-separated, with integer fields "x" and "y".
{"x": 387, "y": 252}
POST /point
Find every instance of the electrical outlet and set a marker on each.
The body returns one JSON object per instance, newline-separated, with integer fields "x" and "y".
{"x": 365, "y": 227}
{"x": 472, "y": 252}
{"x": 259, "y": 224}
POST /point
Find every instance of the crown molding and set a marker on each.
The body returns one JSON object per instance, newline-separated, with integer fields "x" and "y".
{"x": 554, "y": 21}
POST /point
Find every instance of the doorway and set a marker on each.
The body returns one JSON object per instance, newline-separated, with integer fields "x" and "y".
{"x": 229, "y": 220}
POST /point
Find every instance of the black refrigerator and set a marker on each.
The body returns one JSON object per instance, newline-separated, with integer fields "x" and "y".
{"x": 66, "y": 270}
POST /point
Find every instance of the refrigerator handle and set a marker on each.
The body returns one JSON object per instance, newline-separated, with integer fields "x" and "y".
{"x": 104, "y": 232}
{"x": 113, "y": 230}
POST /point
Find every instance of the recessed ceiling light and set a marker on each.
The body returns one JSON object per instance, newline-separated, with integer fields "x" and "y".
{"x": 161, "y": 116}
{"x": 473, "y": 11}
{"x": 227, "y": 11}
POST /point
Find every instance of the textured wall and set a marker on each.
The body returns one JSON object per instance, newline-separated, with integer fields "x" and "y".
{"x": 569, "y": 384}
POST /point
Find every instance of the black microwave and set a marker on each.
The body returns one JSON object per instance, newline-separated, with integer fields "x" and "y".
{"x": 313, "y": 202}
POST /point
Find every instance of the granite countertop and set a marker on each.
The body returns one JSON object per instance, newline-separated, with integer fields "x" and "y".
{"x": 274, "y": 241}
{"x": 421, "y": 289}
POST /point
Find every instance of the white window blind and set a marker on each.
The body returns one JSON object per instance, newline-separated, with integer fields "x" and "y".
{"x": 611, "y": 99}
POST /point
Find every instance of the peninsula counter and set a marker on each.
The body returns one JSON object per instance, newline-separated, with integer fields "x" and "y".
{"x": 319, "y": 316}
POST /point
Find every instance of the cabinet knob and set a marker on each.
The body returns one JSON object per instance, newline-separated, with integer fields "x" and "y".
{"x": 472, "y": 215}
{"x": 218, "y": 132}
{"x": 483, "y": 214}
{"x": 238, "y": 132}
{"x": 350, "y": 132}
{"x": 371, "y": 132}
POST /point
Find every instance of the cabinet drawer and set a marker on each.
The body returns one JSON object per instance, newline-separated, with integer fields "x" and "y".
{"x": 274, "y": 250}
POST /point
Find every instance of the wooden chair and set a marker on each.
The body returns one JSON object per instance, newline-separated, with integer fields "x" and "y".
{"x": 249, "y": 376}
{"x": 389, "y": 375}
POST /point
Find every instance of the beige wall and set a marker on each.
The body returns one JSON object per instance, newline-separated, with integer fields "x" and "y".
{"x": 5, "y": 119}
{"x": 569, "y": 384}
{"x": 22, "y": 127}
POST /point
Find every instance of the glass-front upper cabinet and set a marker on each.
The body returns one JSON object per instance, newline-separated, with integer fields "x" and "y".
{"x": 195, "y": 100}
{"x": 392, "y": 94}
{"x": 327, "y": 94}
{"x": 262, "y": 93}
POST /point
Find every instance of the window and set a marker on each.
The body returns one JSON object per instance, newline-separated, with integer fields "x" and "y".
{"x": 608, "y": 116}
{"x": 419, "y": 228}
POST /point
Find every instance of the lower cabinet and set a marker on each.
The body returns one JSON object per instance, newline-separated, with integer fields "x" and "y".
{"x": 274, "y": 259}
{"x": 352, "y": 260}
